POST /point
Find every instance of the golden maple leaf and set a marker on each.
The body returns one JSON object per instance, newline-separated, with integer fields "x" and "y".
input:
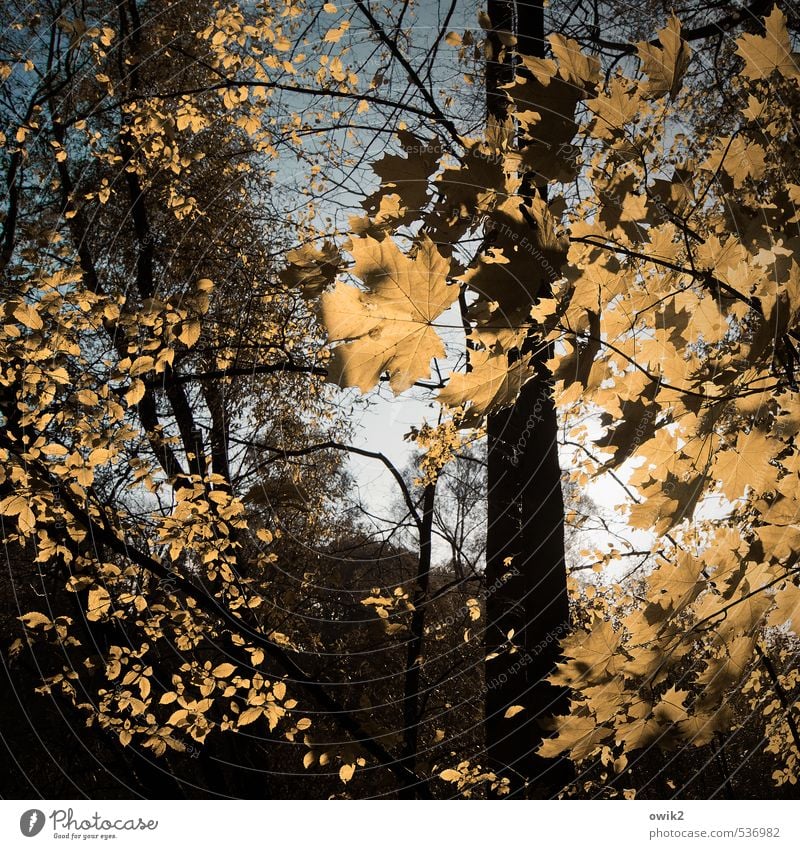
{"x": 665, "y": 65}
{"x": 747, "y": 465}
{"x": 491, "y": 384}
{"x": 388, "y": 326}
{"x": 771, "y": 52}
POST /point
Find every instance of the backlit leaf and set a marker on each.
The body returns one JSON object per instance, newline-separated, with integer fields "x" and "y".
{"x": 388, "y": 327}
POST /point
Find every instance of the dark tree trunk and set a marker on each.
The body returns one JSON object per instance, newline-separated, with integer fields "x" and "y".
{"x": 414, "y": 658}
{"x": 526, "y": 581}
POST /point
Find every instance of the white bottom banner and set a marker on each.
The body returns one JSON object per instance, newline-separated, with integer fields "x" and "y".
{"x": 398, "y": 825}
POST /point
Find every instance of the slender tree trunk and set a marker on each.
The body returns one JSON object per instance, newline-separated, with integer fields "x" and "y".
{"x": 526, "y": 582}
{"x": 414, "y": 659}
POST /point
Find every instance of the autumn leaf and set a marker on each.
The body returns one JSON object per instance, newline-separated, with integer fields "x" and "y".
{"x": 580, "y": 735}
{"x": 787, "y": 607}
{"x": 600, "y": 645}
{"x": 699, "y": 728}
{"x": 189, "y": 332}
{"x": 27, "y": 315}
{"x": 613, "y": 108}
{"x": 141, "y": 365}
{"x": 335, "y": 33}
{"x": 19, "y": 507}
{"x": 739, "y": 158}
{"x": 626, "y": 434}
{"x": 671, "y": 708}
{"x": 178, "y": 717}
{"x": 98, "y": 605}
{"x": 665, "y": 65}
{"x": 474, "y": 608}
{"x": 591, "y": 655}
{"x": 406, "y": 177}
{"x": 250, "y": 715}
{"x": 658, "y": 512}
{"x": 312, "y": 268}
{"x": 388, "y": 327}
{"x": 490, "y": 384}
{"x": 674, "y": 585}
{"x": 135, "y": 393}
{"x": 748, "y": 464}
{"x": 641, "y": 728}
{"x": 513, "y": 711}
{"x": 34, "y": 620}
{"x": 573, "y": 64}
{"x": 771, "y": 52}
{"x": 732, "y": 659}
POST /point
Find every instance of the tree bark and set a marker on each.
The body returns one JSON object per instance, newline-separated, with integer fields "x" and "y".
{"x": 414, "y": 659}
{"x": 526, "y": 582}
